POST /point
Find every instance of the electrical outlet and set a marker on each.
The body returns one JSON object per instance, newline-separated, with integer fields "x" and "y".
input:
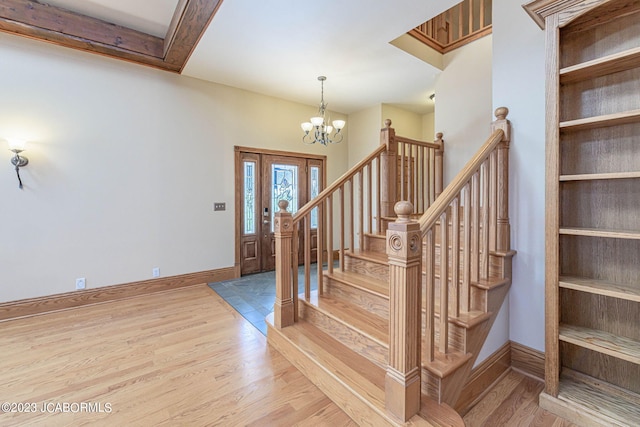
{"x": 156, "y": 272}
{"x": 81, "y": 283}
{"x": 219, "y": 206}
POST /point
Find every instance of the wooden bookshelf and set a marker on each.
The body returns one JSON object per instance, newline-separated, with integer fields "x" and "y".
{"x": 593, "y": 209}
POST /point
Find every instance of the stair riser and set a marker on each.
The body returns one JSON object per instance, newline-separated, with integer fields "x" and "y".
{"x": 368, "y": 268}
{"x": 374, "y": 303}
{"x": 375, "y": 243}
{"x": 457, "y": 336}
{"x": 445, "y": 390}
{"x": 357, "y": 341}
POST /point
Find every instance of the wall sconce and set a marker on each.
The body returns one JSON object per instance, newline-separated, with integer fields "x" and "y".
{"x": 432, "y": 98}
{"x": 17, "y": 146}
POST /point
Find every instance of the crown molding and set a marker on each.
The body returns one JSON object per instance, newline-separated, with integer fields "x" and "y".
{"x": 539, "y": 10}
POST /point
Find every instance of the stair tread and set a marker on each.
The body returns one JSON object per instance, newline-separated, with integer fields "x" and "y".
{"x": 445, "y": 364}
{"x": 364, "y": 321}
{"x": 491, "y": 283}
{"x": 361, "y": 281}
{"x": 376, "y": 257}
{"x": 466, "y": 320}
{"x": 362, "y": 375}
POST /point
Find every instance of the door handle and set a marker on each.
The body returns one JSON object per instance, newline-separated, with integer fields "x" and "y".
{"x": 266, "y": 221}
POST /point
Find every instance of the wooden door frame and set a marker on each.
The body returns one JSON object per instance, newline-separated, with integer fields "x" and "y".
{"x": 238, "y": 185}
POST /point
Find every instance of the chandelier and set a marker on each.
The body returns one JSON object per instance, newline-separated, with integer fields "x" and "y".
{"x": 322, "y": 131}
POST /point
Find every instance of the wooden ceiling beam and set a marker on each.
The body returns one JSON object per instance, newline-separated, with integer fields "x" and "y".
{"x": 194, "y": 19}
{"x": 40, "y": 21}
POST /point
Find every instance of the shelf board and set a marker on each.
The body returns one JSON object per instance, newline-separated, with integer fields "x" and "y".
{"x": 597, "y": 176}
{"x": 616, "y": 119}
{"x": 601, "y": 287}
{"x": 609, "y": 64}
{"x": 600, "y": 232}
{"x": 601, "y": 342}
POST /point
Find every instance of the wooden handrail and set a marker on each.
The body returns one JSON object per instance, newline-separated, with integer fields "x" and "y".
{"x": 432, "y": 214}
{"x": 418, "y": 143}
{"x": 324, "y": 194}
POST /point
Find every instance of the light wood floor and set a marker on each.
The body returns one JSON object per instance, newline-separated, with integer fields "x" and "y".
{"x": 181, "y": 358}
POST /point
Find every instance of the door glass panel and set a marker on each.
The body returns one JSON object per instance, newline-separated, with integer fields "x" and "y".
{"x": 315, "y": 190}
{"x": 285, "y": 187}
{"x": 249, "y": 197}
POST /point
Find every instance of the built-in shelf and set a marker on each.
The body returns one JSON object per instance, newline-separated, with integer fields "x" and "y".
{"x": 602, "y": 66}
{"x": 601, "y": 342}
{"x": 602, "y": 402}
{"x": 600, "y": 232}
{"x": 599, "y": 176}
{"x": 606, "y": 120}
{"x": 601, "y": 287}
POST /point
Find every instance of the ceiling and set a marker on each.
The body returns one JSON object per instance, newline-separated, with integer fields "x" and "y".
{"x": 280, "y": 47}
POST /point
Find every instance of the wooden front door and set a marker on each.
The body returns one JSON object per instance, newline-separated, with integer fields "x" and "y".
{"x": 264, "y": 180}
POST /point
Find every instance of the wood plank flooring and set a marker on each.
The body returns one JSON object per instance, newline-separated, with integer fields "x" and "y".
{"x": 513, "y": 401}
{"x": 176, "y": 358}
{"x": 182, "y": 358}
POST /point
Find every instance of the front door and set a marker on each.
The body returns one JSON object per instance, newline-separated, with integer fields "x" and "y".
{"x": 266, "y": 179}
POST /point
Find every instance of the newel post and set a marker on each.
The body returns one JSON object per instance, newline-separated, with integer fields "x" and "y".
{"x": 503, "y": 240}
{"x": 283, "y": 309}
{"x": 404, "y": 248}
{"x": 388, "y": 170}
{"x": 439, "y": 165}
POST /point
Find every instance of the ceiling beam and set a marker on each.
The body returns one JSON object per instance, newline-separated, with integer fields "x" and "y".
{"x": 63, "y": 27}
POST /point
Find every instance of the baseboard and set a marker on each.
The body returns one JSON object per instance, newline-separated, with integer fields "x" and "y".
{"x": 527, "y": 360}
{"x": 510, "y": 356}
{"x": 483, "y": 376}
{"x": 41, "y": 305}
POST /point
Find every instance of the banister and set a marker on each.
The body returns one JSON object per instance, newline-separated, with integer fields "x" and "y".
{"x": 455, "y": 187}
{"x": 418, "y": 143}
{"x": 308, "y": 207}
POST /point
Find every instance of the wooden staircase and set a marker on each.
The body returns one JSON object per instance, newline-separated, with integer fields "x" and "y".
{"x": 376, "y": 336}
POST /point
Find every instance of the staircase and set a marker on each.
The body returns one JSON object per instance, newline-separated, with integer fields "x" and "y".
{"x": 385, "y": 335}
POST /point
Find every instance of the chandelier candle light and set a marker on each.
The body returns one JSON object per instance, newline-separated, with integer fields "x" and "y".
{"x": 322, "y": 133}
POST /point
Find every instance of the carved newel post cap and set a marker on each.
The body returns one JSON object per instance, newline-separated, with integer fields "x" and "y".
{"x": 403, "y": 209}
{"x": 501, "y": 113}
{"x": 439, "y": 135}
{"x": 283, "y": 205}
{"x": 387, "y": 123}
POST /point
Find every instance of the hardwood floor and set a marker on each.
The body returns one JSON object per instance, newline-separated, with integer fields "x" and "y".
{"x": 182, "y": 357}
{"x": 176, "y": 358}
{"x": 513, "y": 401}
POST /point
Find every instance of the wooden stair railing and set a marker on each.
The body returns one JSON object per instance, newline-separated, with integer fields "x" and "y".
{"x": 472, "y": 215}
{"x": 356, "y": 204}
{"x": 464, "y": 226}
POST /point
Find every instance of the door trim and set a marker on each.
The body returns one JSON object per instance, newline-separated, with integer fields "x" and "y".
{"x": 238, "y": 183}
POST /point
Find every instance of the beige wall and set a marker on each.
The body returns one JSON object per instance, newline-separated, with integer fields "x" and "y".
{"x": 428, "y": 127}
{"x": 125, "y": 165}
{"x": 364, "y": 133}
{"x": 405, "y": 123}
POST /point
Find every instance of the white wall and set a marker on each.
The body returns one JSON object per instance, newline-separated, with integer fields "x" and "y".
{"x": 464, "y": 111}
{"x": 125, "y": 164}
{"x": 519, "y": 84}
{"x": 463, "y": 103}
